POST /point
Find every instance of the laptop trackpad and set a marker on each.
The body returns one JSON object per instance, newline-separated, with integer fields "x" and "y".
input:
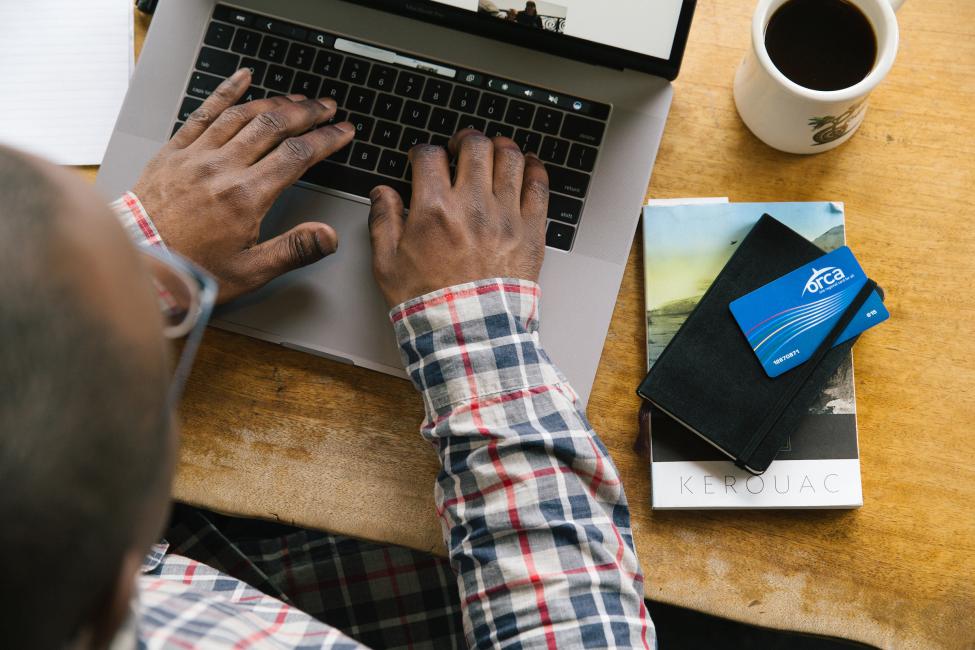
{"x": 332, "y": 307}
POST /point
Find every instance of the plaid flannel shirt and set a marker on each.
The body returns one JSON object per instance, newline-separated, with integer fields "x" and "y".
{"x": 532, "y": 508}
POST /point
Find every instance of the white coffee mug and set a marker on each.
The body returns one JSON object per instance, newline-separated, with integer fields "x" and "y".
{"x": 796, "y": 119}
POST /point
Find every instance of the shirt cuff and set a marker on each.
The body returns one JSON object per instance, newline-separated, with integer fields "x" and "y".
{"x": 134, "y": 218}
{"x": 473, "y": 341}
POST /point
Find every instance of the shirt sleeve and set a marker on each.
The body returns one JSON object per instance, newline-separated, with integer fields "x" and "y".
{"x": 134, "y": 218}
{"x": 532, "y": 507}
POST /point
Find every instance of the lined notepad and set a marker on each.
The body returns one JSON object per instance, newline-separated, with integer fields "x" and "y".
{"x": 64, "y": 70}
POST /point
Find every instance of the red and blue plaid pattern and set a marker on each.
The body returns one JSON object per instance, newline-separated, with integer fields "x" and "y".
{"x": 532, "y": 508}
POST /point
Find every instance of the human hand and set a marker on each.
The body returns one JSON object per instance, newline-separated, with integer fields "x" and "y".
{"x": 490, "y": 223}
{"x": 209, "y": 188}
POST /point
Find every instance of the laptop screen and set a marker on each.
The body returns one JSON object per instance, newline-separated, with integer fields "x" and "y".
{"x": 647, "y": 35}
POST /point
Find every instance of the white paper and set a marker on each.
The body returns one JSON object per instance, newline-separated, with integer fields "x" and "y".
{"x": 64, "y": 69}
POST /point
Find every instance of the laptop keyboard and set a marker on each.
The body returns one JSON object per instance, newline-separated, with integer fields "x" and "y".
{"x": 397, "y": 102}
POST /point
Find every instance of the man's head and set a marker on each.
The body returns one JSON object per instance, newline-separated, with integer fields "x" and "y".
{"x": 86, "y": 453}
{"x": 530, "y": 8}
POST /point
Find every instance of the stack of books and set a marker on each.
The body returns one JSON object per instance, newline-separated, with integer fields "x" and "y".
{"x": 686, "y": 244}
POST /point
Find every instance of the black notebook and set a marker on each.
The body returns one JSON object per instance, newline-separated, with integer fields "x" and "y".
{"x": 709, "y": 379}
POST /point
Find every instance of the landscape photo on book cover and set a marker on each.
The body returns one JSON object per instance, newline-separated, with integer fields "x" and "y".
{"x": 684, "y": 256}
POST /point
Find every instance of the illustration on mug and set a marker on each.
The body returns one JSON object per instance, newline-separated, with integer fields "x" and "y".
{"x": 829, "y": 128}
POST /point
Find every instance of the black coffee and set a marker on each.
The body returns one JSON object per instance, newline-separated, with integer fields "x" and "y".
{"x": 821, "y": 44}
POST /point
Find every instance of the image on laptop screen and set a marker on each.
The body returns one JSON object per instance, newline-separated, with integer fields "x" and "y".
{"x": 645, "y": 27}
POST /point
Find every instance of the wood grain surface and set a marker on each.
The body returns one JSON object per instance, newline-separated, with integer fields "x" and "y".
{"x": 281, "y": 435}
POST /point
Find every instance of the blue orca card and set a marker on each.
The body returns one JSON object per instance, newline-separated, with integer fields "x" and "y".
{"x": 786, "y": 320}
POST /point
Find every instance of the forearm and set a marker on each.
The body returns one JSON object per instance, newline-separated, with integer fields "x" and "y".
{"x": 533, "y": 511}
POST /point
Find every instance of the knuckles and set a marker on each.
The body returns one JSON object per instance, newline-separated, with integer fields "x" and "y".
{"x": 299, "y": 150}
{"x": 272, "y": 122}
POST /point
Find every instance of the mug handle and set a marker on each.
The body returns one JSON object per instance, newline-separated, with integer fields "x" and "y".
{"x": 896, "y": 4}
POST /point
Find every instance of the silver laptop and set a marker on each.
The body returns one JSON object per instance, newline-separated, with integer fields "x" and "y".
{"x": 583, "y": 83}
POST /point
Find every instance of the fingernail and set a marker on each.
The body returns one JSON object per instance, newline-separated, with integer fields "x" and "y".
{"x": 375, "y": 194}
{"x": 325, "y": 248}
{"x": 240, "y": 74}
{"x": 327, "y": 102}
{"x": 345, "y": 127}
{"x": 297, "y": 98}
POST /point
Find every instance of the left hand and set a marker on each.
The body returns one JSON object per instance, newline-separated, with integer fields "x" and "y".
{"x": 208, "y": 189}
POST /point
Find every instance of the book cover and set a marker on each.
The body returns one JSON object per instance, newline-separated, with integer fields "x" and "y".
{"x": 685, "y": 247}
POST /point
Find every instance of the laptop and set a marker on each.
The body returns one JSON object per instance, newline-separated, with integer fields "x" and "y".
{"x": 584, "y": 84}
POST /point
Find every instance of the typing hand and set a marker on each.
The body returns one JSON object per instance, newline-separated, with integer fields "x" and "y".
{"x": 209, "y": 188}
{"x": 490, "y": 223}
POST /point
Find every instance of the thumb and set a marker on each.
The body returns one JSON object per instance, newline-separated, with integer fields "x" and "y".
{"x": 385, "y": 224}
{"x": 302, "y": 245}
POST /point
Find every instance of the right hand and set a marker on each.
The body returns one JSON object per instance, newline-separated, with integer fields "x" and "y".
{"x": 489, "y": 223}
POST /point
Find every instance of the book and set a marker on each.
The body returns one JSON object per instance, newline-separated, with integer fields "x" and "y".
{"x": 686, "y": 246}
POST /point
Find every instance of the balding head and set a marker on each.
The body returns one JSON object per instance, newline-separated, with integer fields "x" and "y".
{"x": 85, "y": 451}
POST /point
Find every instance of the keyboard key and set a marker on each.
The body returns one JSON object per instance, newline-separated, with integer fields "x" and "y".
{"x": 176, "y": 127}
{"x": 471, "y": 122}
{"x": 274, "y": 49}
{"x": 189, "y": 105}
{"x": 258, "y": 69}
{"x": 336, "y": 90}
{"x": 363, "y": 126}
{"x": 582, "y": 129}
{"x": 582, "y": 157}
{"x": 495, "y": 129}
{"x": 559, "y": 235}
{"x": 492, "y": 106}
{"x": 306, "y": 84}
{"x": 410, "y": 85}
{"x": 464, "y": 99}
{"x": 547, "y": 120}
{"x": 554, "y": 150}
{"x": 340, "y": 116}
{"x": 279, "y": 78}
{"x": 251, "y": 95}
{"x": 222, "y": 64}
{"x": 388, "y": 107}
{"x": 234, "y": 16}
{"x": 219, "y": 35}
{"x": 387, "y": 134}
{"x": 443, "y": 121}
{"x": 529, "y": 141}
{"x": 382, "y": 77}
{"x": 413, "y": 137}
{"x": 327, "y": 63}
{"x": 361, "y": 100}
{"x": 202, "y": 85}
{"x": 280, "y": 28}
{"x": 566, "y": 181}
{"x": 416, "y": 114}
{"x": 342, "y": 155}
{"x": 440, "y": 141}
{"x": 246, "y": 42}
{"x": 301, "y": 56}
{"x": 392, "y": 163}
{"x": 562, "y": 208}
{"x": 437, "y": 92}
{"x": 364, "y": 156}
{"x": 355, "y": 70}
{"x": 353, "y": 181}
{"x": 519, "y": 113}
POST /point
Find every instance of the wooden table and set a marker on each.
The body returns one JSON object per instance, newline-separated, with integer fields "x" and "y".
{"x": 281, "y": 435}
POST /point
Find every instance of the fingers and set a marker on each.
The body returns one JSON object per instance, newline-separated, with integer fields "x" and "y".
{"x": 534, "y": 192}
{"x": 235, "y": 118}
{"x": 475, "y": 159}
{"x": 431, "y": 174}
{"x": 225, "y": 96}
{"x": 291, "y": 159}
{"x": 266, "y": 130}
{"x": 302, "y": 245}
{"x": 509, "y": 171}
{"x": 385, "y": 226}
